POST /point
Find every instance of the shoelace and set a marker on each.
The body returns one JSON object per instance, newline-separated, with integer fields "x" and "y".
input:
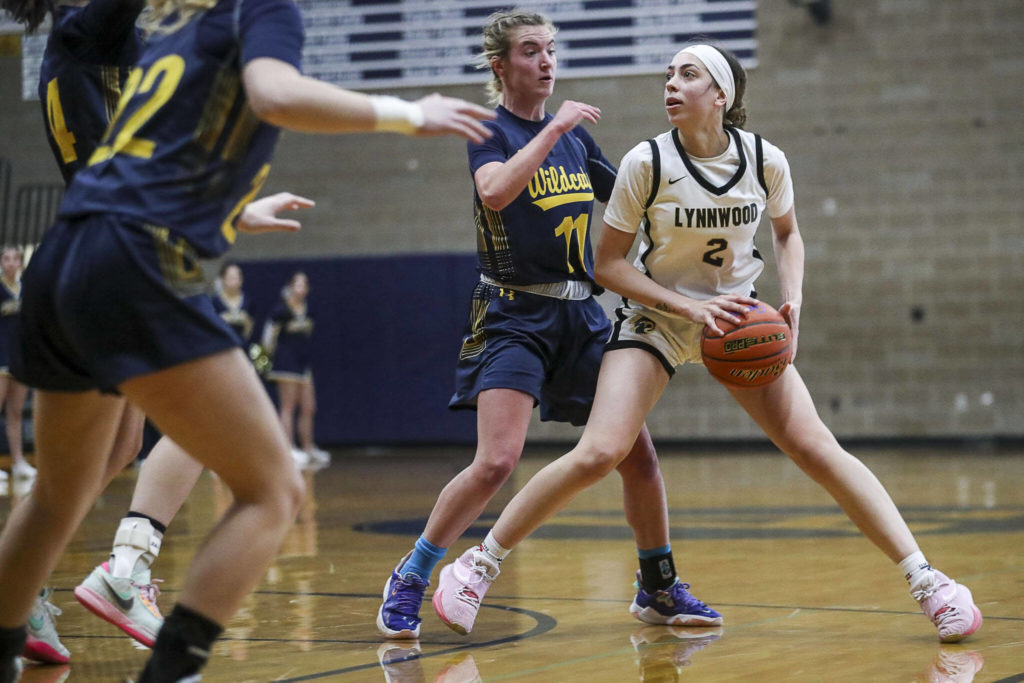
{"x": 680, "y": 592}
{"x": 925, "y": 593}
{"x": 482, "y": 568}
{"x": 52, "y": 609}
{"x": 407, "y": 598}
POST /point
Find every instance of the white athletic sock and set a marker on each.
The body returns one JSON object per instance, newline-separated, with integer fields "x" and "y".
{"x": 494, "y": 549}
{"x": 136, "y": 545}
{"x": 916, "y": 570}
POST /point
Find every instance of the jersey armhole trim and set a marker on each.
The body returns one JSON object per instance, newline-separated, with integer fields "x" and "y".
{"x": 655, "y": 173}
{"x": 759, "y": 162}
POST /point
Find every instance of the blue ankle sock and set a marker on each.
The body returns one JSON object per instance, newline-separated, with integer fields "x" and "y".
{"x": 424, "y": 558}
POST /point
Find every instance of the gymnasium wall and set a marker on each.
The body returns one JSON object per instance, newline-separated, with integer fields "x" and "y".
{"x": 902, "y": 123}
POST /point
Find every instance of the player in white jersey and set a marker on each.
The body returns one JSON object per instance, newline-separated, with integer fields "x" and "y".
{"x": 696, "y": 195}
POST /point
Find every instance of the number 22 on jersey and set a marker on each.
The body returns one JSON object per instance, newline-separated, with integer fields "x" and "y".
{"x": 159, "y": 82}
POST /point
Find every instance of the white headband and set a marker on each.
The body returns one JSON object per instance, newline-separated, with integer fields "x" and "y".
{"x": 719, "y": 69}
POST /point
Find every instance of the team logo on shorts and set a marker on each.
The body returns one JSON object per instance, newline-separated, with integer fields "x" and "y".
{"x": 643, "y": 326}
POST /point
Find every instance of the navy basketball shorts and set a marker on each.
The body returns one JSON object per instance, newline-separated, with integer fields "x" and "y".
{"x": 105, "y": 300}
{"x": 5, "y": 345}
{"x": 542, "y": 346}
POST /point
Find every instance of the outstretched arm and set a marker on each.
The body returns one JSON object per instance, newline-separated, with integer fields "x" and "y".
{"x": 279, "y": 94}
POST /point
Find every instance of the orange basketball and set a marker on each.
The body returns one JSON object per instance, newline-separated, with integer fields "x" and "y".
{"x": 751, "y": 354}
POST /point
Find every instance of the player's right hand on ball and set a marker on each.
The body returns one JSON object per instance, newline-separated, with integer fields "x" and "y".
{"x": 729, "y": 307}
{"x": 450, "y": 115}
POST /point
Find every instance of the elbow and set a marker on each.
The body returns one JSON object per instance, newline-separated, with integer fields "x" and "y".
{"x": 272, "y": 89}
{"x": 269, "y": 109}
{"x": 602, "y": 274}
{"x": 492, "y": 200}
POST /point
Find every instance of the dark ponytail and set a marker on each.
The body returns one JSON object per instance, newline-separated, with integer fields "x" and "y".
{"x": 31, "y": 13}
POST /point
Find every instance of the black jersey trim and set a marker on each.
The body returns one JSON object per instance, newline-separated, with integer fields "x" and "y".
{"x": 646, "y": 227}
{"x": 759, "y": 160}
{"x": 655, "y": 173}
{"x": 701, "y": 180}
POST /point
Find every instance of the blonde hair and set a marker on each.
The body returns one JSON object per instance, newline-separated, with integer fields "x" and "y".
{"x": 158, "y": 11}
{"x": 497, "y": 41}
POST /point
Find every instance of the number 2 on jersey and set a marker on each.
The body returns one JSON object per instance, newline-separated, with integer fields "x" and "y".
{"x": 168, "y": 71}
{"x": 718, "y": 245}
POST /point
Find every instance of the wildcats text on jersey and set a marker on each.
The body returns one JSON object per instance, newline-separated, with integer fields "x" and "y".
{"x": 716, "y": 217}
{"x": 554, "y": 187}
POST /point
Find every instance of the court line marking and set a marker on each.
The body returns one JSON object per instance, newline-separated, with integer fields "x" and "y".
{"x": 545, "y": 623}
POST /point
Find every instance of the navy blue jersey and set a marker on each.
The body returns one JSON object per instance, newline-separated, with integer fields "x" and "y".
{"x": 235, "y": 313}
{"x": 291, "y": 322}
{"x": 544, "y": 234}
{"x": 184, "y": 150}
{"x": 10, "y": 304}
{"x": 88, "y": 55}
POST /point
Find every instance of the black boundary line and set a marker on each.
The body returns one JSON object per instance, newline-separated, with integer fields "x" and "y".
{"x": 544, "y": 624}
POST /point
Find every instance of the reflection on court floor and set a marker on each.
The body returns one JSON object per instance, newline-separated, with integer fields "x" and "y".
{"x": 805, "y": 597}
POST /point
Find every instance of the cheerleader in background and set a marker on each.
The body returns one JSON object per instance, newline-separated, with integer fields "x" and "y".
{"x": 12, "y": 392}
{"x": 287, "y": 337}
{"x": 229, "y": 301}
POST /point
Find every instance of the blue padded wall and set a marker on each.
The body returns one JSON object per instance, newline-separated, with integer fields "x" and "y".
{"x": 386, "y": 338}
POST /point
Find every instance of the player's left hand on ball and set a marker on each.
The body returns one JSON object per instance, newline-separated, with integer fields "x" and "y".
{"x": 791, "y": 312}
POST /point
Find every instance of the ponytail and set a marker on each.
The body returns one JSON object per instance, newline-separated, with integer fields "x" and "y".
{"x": 31, "y": 13}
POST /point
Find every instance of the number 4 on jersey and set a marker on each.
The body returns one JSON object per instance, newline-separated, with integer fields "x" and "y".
{"x": 58, "y": 126}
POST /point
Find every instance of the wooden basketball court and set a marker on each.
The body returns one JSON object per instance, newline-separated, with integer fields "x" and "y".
{"x": 804, "y": 596}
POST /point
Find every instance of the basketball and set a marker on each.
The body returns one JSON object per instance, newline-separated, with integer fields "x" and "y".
{"x": 751, "y": 354}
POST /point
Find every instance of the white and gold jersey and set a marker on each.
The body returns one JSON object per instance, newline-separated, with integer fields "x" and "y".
{"x": 697, "y": 216}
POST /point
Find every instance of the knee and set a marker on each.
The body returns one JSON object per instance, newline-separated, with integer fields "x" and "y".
{"x": 812, "y": 454}
{"x": 641, "y": 464}
{"x": 294, "y": 492}
{"x": 494, "y": 470}
{"x": 284, "y": 497}
{"x": 596, "y": 461}
{"x": 278, "y": 489}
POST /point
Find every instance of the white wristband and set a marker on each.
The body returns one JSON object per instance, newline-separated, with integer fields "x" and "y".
{"x": 396, "y": 115}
